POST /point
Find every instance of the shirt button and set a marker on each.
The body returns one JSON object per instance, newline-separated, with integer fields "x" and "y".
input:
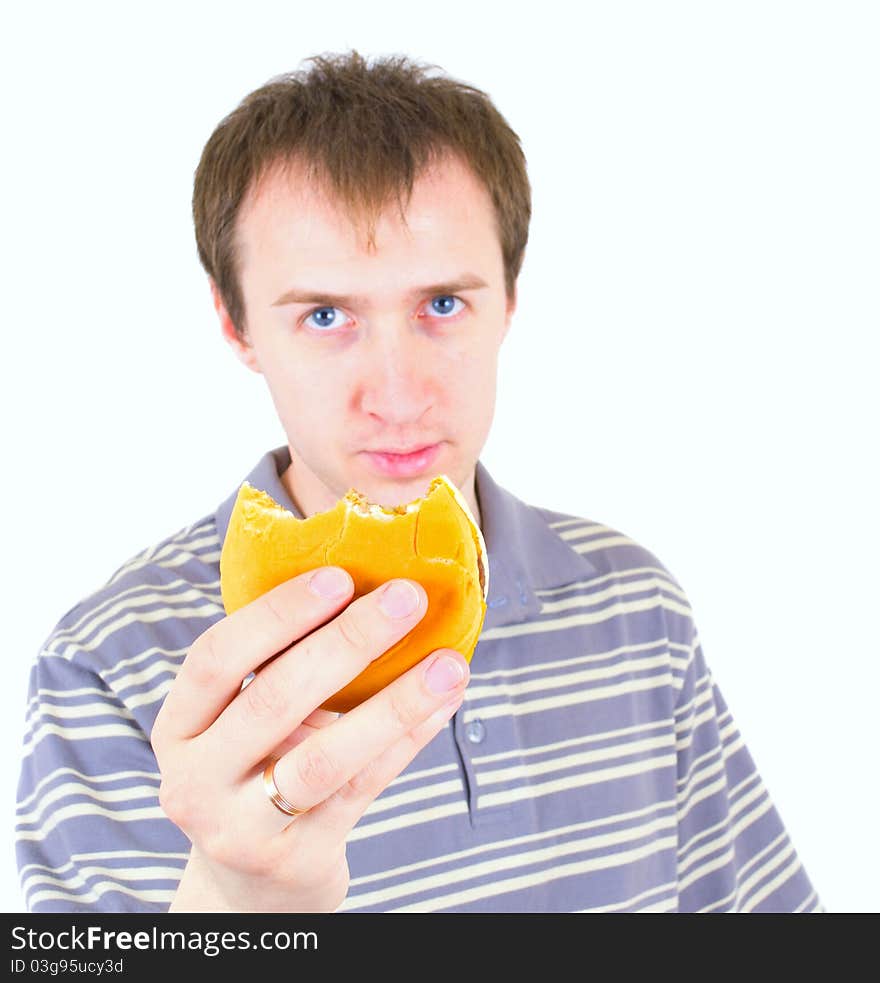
{"x": 475, "y": 732}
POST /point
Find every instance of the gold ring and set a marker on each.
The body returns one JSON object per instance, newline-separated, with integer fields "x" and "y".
{"x": 275, "y": 797}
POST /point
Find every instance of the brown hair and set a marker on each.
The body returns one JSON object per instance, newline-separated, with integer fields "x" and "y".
{"x": 364, "y": 132}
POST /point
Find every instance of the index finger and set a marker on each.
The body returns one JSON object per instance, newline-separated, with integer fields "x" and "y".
{"x": 221, "y": 657}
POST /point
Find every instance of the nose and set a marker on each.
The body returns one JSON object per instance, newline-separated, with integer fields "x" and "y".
{"x": 398, "y": 375}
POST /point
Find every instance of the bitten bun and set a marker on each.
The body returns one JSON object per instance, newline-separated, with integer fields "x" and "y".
{"x": 433, "y": 540}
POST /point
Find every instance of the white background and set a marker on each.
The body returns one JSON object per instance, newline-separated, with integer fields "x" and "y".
{"x": 693, "y": 360}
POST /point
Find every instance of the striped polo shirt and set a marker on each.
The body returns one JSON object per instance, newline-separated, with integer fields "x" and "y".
{"x": 593, "y": 766}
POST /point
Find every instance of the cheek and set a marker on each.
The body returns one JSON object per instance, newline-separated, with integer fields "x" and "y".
{"x": 301, "y": 395}
{"x": 475, "y": 367}
{"x": 469, "y": 387}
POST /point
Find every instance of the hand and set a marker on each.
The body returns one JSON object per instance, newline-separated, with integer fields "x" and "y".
{"x": 212, "y": 740}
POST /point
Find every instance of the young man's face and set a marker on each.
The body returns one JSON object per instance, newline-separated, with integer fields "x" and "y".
{"x": 408, "y": 358}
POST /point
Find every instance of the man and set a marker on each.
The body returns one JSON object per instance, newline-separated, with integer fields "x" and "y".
{"x": 363, "y": 228}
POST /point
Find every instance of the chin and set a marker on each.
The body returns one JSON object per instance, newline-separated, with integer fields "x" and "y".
{"x": 389, "y": 491}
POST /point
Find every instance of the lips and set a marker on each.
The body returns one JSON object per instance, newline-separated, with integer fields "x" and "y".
{"x": 403, "y": 465}
{"x": 400, "y": 452}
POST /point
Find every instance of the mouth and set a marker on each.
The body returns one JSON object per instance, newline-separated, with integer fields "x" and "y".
{"x": 403, "y": 464}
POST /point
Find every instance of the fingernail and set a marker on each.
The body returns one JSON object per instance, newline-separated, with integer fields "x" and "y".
{"x": 399, "y": 599}
{"x": 330, "y": 582}
{"x": 444, "y": 674}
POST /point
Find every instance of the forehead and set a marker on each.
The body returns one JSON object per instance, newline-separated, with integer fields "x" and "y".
{"x": 289, "y": 210}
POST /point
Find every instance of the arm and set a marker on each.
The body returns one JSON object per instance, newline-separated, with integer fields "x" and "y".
{"x": 90, "y": 834}
{"x": 214, "y": 740}
{"x": 734, "y": 853}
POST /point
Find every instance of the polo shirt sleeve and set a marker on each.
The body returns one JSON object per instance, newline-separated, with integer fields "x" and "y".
{"x": 90, "y": 834}
{"x": 734, "y": 853}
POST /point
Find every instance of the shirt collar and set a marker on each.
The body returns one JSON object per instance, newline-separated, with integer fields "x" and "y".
{"x": 525, "y": 554}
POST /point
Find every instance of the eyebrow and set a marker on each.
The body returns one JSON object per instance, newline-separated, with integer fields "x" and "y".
{"x": 299, "y": 295}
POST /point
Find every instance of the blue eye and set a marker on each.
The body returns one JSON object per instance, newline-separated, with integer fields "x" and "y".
{"x": 442, "y": 306}
{"x": 322, "y": 314}
{"x": 445, "y": 303}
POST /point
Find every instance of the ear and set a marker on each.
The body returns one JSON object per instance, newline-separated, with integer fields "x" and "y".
{"x": 511, "y": 308}
{"x": 242, "y": 347}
